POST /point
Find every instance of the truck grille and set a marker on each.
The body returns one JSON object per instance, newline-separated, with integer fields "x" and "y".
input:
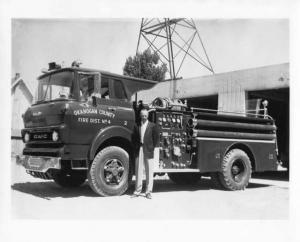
{"x": 53, "y": 152}
{"x": 44, "y": 145}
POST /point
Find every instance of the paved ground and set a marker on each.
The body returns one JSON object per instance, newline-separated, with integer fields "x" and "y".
{"x": 267, "y": 197}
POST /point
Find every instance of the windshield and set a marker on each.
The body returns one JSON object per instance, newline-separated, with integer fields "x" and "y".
{"x": 56, "y": 86}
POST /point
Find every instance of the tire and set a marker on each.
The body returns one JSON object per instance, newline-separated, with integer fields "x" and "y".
{"x": 184, "y": 178}
{"x": 236, "y": 170}
{"x": 70, "y": 179}
{"x": 109, "y": 173}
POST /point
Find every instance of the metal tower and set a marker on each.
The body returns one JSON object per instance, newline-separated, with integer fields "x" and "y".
{"x": 173, "y": 40}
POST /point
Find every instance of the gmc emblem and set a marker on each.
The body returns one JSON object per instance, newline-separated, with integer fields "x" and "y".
{"x": 40, "y": 136}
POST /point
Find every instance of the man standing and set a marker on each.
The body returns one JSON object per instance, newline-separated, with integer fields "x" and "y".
{"x": 146, "y": 140}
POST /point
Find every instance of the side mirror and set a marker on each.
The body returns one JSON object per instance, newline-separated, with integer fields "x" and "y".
{"x": 94, "y": 97}
{"x": 94, "y": 101}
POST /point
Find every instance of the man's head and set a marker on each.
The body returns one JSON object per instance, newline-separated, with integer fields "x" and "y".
{"x": 144, "y": 115}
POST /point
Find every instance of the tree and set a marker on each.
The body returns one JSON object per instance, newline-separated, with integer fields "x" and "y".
{"x": 145, "y": 65}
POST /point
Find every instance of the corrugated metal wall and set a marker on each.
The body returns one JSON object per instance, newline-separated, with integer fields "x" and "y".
{"x": 232, "y": 97}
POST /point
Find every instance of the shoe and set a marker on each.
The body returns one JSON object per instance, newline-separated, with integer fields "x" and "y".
{"x": 135, "y": 194}
{"x": 148, "y": 195}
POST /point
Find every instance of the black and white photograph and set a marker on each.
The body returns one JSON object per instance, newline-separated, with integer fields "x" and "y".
{"x": 130, "y": 122}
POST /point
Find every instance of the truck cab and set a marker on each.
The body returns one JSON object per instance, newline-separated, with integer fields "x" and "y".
{"x": 77, "y": 113}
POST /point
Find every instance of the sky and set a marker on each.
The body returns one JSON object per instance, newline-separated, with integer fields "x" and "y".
{"x": 104, "y": 44}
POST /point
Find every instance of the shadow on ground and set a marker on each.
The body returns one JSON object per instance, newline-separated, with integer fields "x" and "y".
{"x": 204, "y": 184}
{"x": 272, "y": 175}
{"x": 48, "y": 190}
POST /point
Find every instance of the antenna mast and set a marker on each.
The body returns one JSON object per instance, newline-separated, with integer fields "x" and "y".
{"x": 172, "y": 40}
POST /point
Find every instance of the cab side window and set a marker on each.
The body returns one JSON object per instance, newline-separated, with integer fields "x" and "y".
{"x": 119, "y": 90}
{"x": 105, "y": 93}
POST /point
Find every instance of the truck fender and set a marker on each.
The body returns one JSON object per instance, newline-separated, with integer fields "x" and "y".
{"x": 246, "y": 148}
{"x": 107, "y": 133}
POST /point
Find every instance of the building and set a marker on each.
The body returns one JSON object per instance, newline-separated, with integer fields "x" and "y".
{"x": 21, "y": 98}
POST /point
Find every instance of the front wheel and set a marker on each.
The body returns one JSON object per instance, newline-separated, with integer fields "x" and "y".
{"x": 236, "y": 170}
{"x": 109, "y": 172}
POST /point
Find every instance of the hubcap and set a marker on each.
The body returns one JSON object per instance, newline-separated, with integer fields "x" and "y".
{"x": 113, "y": 171}
{"x": 238, "y": 170}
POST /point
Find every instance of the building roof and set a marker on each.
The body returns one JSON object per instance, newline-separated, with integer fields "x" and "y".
{"x": 259, "y": 78}
{"x": 17, "y": 81}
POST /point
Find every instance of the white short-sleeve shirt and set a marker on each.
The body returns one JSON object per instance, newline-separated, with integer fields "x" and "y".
{"x": 143, "y": 130}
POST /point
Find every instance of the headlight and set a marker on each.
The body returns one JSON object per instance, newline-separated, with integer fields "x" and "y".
{"x": 26, "y": 137}
{"x": 55, "y": 136}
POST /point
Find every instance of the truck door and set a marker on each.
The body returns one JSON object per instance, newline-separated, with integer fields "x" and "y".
{"x": 104, "y": 112}
{"x": 115, "y": 101}
{"x": 112, "y": 106}
{"x": 85, "y": 120}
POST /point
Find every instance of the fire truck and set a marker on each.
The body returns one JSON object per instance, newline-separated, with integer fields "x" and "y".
{"x": 80, "y": 127}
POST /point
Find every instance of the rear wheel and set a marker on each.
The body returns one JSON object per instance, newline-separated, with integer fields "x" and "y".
{"x": 109, "y": 172}
{"x": 236, "y": 170}
{"x": 70, "y": 178}
{"x": 185, "y": 178}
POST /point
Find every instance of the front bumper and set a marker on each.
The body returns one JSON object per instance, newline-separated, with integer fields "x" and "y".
{"x": 39, "y": 163}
